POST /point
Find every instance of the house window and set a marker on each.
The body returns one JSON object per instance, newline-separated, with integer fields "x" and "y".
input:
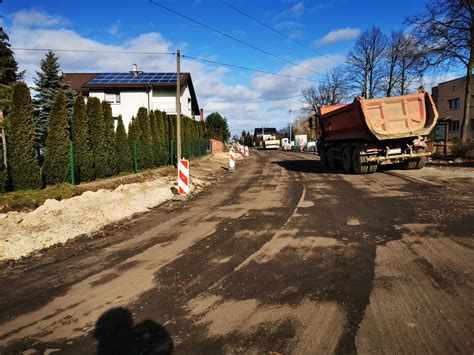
{"x": 112, "y": 97}
{"x": 453, "y": 104}
{"x": 453, "y": 126}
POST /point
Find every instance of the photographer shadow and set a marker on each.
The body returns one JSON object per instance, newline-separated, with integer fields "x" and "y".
{"x": 116, "y": 334}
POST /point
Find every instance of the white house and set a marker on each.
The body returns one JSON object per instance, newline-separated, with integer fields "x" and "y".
{"x": 127, "y": 92}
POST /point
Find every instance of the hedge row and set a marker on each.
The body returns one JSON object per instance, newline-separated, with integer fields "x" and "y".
{"x": 99, "y": 149}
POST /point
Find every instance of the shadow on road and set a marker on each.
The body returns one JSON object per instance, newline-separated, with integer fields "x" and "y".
{"x": 116, "y": 334}
{"x": 306, "y": 166}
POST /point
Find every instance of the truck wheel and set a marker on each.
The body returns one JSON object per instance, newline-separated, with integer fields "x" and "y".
{"x": 410, "y": 164}
{"x": 372, "y": 168}
{"x": 331, "y": 160}
{"x": 346, "y": 160}
{"x": 359, "y": 163}
{"x": 420, "y": 163}
{"x": 323, "y": 156}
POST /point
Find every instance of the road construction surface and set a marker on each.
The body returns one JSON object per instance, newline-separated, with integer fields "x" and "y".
{"x": 280, "y": 256}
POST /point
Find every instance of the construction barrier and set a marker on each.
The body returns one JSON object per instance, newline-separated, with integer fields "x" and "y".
{"x": 232, "y": 158}
{"x": 246, "y": 151}
{"x": 183, "y": 177}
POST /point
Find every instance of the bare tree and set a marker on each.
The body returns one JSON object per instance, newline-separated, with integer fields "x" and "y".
{"x": 404, "y": 65}
{"x": 333, "y": 89}
{"x": 446, "y": 32}
{"x": 366, "y": 62}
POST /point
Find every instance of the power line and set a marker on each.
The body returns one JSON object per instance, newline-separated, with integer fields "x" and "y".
{"x": 276, "y": 31}
{"x": 232, "y": 37}
{"x": 248, "y": 69}
{"x": 251, "y": 102}
{"x": 91, "y": 51}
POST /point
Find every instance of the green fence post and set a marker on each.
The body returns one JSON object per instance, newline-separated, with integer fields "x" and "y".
{"x": 71, "y": 162}
{"x": 135, "y": 158}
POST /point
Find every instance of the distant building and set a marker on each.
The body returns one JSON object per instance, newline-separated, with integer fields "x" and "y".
{"x": 127, "y": 92}
{"x": 262, "y": 132}
{"x": 449, "y": 99}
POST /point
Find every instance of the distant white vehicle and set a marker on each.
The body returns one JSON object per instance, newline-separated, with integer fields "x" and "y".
{"x": 311, "y": 146}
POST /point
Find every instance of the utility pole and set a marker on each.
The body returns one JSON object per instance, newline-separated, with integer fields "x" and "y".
{"x": 289, "y": 113}
{"x": 178, "y": 106}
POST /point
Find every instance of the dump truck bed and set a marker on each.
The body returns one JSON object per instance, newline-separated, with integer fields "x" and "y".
{"x": 380, "y": 119}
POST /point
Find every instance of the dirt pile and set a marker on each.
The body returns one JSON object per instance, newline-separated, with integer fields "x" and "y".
{"x": 58, "y": 221}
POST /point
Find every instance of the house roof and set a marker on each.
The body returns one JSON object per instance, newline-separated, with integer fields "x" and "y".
{"x": 77, "y": 80}
{"x": 266, "y": 130}
{"x": 84, "y": 82}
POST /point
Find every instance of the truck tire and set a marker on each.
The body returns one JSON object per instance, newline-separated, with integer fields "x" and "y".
{"x": 420, "y": 163}
{"x": 347, "y": 160}
{"x": 359, "y": 163}
{"x": 323, "y": 156}
{"x": 372, "y": 168}
{"x": 331, "y": 160}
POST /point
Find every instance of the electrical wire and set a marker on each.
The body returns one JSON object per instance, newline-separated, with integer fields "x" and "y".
{"x": 245, "y": 68}
{"x": 91, "y": 51}
{"x": 276, "y": 31}
{"x": 250, "y": 102}
{"x": 232, "y": 37}
{"x": 160, "y": 53}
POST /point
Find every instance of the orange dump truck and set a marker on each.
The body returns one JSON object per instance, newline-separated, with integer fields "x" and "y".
{"x": 371, "y": 132}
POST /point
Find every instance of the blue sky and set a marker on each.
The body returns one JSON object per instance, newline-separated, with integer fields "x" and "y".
{"x": 328, "y": 27}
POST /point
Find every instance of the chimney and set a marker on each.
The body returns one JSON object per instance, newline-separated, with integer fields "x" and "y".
{"x": 201, "y": 114}
{"x": 135, "y": 71}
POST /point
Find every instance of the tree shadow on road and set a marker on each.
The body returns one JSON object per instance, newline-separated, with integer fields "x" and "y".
{"x": 116, "y": 334}
{"x": 306, "y": 166}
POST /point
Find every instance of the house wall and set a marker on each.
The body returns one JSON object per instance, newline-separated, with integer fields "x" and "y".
{"x": 163, "y": 99}
{"x": 451, "y": 90}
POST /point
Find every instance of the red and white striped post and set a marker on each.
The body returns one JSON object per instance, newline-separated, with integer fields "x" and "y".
{"x": 231, "y": 158}
{"x": 183, "y": 177}
{"x": 247, "y": 153}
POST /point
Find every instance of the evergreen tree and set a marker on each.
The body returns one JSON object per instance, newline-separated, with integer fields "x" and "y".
{"x": 83, "y": 158}
{"x": 23, "y": 164}
{"x": 166, "y": 136}
{"x": 146, "y": 160}
{"x": 122, "y": 147}
{"x": 154, "y": 139}
{"x": 97, "y": 136}
{"x": 109, "y": 138}
{"x": 160, "y": 137}
{"x": 8, "y": 65}
{"x": 134, "y": 139}
{"x": 56, "y": 156}
{"x": 48, "y": 84}
{"x": 70, "y": 97}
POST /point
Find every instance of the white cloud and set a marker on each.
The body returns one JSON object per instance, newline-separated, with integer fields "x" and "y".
{"x": 214, "y": 85}
{"x": 295, "y": 11}
{"x": 342, "y": 34}
{"x": 30, "y": 18}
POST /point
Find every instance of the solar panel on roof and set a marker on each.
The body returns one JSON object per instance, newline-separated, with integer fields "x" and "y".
{"x": 129, "y": 78}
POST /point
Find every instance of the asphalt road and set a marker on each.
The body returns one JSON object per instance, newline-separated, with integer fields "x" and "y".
{"x": 280, "y": 256}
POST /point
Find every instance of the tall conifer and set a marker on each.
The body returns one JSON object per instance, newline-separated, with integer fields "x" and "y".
{"x": 56, "y": 156}
{"x": 109, "y": 139}
{"x": 122, "y": 147}
{"x": 97, "y": 136}
{"x": 145, "y": 139}
{"x": 23, "y": 162}
{"x": 83, "y": 156}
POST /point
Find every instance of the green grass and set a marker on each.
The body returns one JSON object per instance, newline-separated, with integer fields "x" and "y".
{"x": 30, "y": 199}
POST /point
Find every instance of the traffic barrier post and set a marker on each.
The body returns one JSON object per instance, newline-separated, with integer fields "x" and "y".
{"x": 183, "y": 177}
{"x": 231, "y": 158}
